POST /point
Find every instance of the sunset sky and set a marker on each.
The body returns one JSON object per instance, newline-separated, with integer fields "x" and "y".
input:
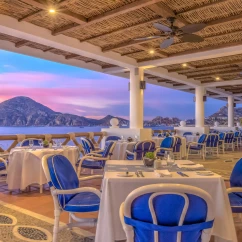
{"x": 87, "y": 93}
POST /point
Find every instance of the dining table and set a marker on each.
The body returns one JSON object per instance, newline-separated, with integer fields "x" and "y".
{"x": 115, "y": 189}
{"x": 25, "y": 165}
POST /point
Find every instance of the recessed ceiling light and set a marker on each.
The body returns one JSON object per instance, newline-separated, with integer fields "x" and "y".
{"x": 184, "y": 65}
{"x": 151, "y": 51}
{"x": 217, "y": 78}
{"x": 51, "y": 10}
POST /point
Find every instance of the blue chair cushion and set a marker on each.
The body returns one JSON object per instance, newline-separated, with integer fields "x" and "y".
{"x": 83, "y": 202}
{"x": 195, "y": 148}
{"x": 235, "y": 202}
{"x": 130, "y": 157}
{"x": 2, "y": 166}
{"x": 91, "y": 164}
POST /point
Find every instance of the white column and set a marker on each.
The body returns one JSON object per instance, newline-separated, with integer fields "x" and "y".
{"x": 199, "y": 106}
{"x": 136, "y": 98}
{"x": 230, "y": 111}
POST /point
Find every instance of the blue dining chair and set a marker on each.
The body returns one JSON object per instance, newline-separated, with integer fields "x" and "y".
{"x": 67, "y": 195}
{"x": 96, "y": 161}
{"x": 187, "y": 133}
{"x": 140, "y": 149}
{"x": 113, "y": 138}
{"x": 211, "y": 145}
{"x": 167, "y": 144}
{"x": 169, "y": 213}
{"x": 3, "y": 169}
{"x": 26, "y": 142}
{"x": 221, "y": 142}
{"x": 229, "y": 140}
{"x": 235, "y": 190}
{"x": 237, "y": 139}
{"x": 197, "y": 148}
{"x": 177, "y": 151}
{"x": 88, "y": 147}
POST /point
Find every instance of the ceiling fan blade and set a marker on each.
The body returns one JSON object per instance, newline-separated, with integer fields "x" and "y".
{"x": 162, "y": 27}
{"x": 191, "y": 38}
{"x": 166, "y": 43}
{"x": 193, "y": 28}
{"x": 148, "y": 37}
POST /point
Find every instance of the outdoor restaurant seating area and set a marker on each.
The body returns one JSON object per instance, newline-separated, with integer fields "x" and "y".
{"x": 131, "y": 195}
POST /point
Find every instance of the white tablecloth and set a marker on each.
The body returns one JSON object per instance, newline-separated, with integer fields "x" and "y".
{"x": 115, "y": 189}
{"x": 25, "y": 167}
{"x": 119, "y": 152}
{"x": 192, "y": 138}
{"x": 158, "y": 141}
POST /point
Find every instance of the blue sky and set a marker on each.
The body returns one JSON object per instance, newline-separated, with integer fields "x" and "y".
{"x": 87, "y": 93}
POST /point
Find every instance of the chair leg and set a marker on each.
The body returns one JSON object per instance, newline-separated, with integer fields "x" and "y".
{"x": 70, "y": 220}
{"x": 92, "y": 171}
{"x": 56, "y": 225}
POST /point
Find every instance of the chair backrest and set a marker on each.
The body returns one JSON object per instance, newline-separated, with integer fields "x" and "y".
{"x": 221, "y": 136}
{"x": 142, "y": 147}
{"x": 108, "y": 149}
{"x": 26, "y": 142}
{"x": 236, "y": 175}
{"x": 167, "y": 142}
{"x": 169, "y": 209}
{"x": 177, "y": 144}
{"x": 113, "y": 137}
{"x": 229, "y": 138}
{"x": 212, "y": 140}
{"x": 60, "y": 175}
{"x": 236, "y": 134}
{"x": 87, "y": 145}
{"x": 202, "y": 139}
{"x": 187, "y": 133}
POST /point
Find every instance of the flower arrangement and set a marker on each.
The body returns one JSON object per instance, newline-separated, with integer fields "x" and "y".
{"x": 149, "y": 159}
{"x": 46, "y": 143}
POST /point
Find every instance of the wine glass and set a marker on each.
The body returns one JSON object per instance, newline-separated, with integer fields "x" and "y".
{"x": 59, "y": 143}
{"x": 122, "y": 138}
{"x": 136, "y": 138}
{"x": 40, "y": 143}
{"x": 31, "y": 143}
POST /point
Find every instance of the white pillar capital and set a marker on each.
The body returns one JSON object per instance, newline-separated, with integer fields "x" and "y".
{"x": 136, "y": 98}
{"x": 230, "y": 111}
{"x": 199, "y": 106}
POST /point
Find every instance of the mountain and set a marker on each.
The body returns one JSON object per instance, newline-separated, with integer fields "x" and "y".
{"x": 24, "y": 111}
{"x": 223, "y": 113}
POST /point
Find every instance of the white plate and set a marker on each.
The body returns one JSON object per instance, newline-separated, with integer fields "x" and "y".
{"x": 204, "y": 173}
{"x": 124, "y": 174}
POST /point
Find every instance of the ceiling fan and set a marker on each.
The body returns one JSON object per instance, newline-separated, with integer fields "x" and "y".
{"x": 185, "y": 33}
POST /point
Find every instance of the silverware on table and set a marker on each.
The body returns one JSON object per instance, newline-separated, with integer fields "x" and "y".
{"x": 182, "y": 174}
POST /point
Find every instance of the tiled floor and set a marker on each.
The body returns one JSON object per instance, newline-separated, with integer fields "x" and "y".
{"x": 43, "y": 204}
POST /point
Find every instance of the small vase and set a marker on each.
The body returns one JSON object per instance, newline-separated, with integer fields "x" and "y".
{"x": 148, "y": 162}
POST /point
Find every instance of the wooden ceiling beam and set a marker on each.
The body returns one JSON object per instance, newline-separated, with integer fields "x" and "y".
{"x": 166, "y": 12}
{"x": 222, "y": 73}
{"x": 120, "y": 30}
{"x": 46, "y": 50}
{"x": 72, "y": 56}
{"x": 132, "y": 42}
{"x": 31, "y": 15}
{"x": 21, "y": 43}
{"x": 44, "y": 6}
{"x": 207, "y": 66}
{"x": 209, "y": 4}
{"x": 107, "y": 15}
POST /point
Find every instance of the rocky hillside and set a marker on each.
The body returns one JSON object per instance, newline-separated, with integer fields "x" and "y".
{"x": 23, "y": 111}
{"x": 223, "y": 113}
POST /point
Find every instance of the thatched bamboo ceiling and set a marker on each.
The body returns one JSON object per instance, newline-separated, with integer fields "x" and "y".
{"x": 113, "y": 24}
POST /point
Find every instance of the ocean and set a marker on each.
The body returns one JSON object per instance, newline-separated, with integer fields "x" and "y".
{"x": 52, "y": 130}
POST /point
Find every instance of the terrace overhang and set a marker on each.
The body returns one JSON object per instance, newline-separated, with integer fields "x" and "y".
{"x": 102, "y": 38}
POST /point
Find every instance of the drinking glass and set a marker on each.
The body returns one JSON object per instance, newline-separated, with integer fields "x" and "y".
{"x": 31, "y": 144}
{"x": 122, "y": 138}
{"x": 170, "y": 160}
{"x": 136, "y": 138}
{"x": 59, "y": 143}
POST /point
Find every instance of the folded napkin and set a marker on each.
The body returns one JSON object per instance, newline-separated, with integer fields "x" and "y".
{"x": 162, "y": 173}
{"x": 191, "y": 167}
